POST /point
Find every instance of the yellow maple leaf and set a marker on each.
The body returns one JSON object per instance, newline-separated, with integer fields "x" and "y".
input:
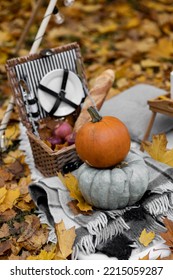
{"x": 108, "y": 27}
{"x": 159, "y": 7}
{"x": 65, "y": 239}
{"x": 10, "y": 199}
{"x": 123, "y": 9}
{"x": 160, "y": 51}
{"x": 12, "y": 132}
{"x": 25, "y": 206}
{"x": 3, "y": 192}
{"x": 89, "y": 8}
{"x": 71, "y": 183}
{"x": 146, "y": 237}
{"x": 149, "y": 63}
{"x": 133, "y": 22}
{"x": 44, "y": 255}
{"x": 157, "y": 149}
{"x": 12, "y": 156}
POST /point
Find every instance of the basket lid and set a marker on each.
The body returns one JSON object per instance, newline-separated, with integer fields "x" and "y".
{"x": 33, "y": 69}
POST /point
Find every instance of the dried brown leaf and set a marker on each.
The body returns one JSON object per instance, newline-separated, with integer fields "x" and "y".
{"x": 23, "y": 184}
{"x": 15, "y": 247}
{"x": 36, "y": 241}
{"x": 2, "y": 182}
{"x": 7, "y": 215}
{"x": 168, "y": 235}
{"x": 5, "y": 174}
{"x": 4, "y": 230}
{"x": 23, "y": 256}
{"x": 5, "y": 246}
{"x": 16, "y": 168}
{"x": 32, "y": 225}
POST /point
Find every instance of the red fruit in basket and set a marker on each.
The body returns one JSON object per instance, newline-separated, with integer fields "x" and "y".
{"x": 54, "y": 141}
{"x": 70, "y": 138}
{"x": 62, "y": 130}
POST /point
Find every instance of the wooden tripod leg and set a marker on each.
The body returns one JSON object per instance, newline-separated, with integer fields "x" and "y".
{"x": 148, "y": 130}
{"x": 27, "y": 26}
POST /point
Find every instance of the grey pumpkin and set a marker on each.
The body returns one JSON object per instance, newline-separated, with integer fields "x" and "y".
{"x": 114, "y": 188}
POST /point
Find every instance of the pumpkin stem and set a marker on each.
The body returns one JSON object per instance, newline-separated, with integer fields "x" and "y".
{"x": 94, "y": 114}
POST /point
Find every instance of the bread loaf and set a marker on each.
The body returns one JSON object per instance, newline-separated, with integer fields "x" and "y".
{"x": 98, "y": 93}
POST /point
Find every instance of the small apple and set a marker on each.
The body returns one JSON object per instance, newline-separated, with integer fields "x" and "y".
{"x": 62, "y": 130}
{"x": 54, "y": 141}
{"x": 70, "y": 138}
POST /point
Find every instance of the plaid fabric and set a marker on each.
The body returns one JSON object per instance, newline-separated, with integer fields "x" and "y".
{"x": 114, "y": 232}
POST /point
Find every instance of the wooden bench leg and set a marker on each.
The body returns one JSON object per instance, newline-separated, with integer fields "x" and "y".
{"x": 148, "y": 130}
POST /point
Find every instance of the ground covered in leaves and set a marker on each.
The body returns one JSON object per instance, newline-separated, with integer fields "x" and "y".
{"x": 134, "y": 38}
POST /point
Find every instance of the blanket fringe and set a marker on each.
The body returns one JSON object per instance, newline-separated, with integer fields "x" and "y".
{"x": 114, "y": 228}
{"x": 95, "y": 226}
{"x": 159, "y": 205}
{"x": 88, "y": 243}
{"x": 113, "y": 214}
{"x": 43, "y": 220}
{"x": 85, "y": 246}
{"x": 170, "y": 214}
{"x": 151, "y": 226}
{"x": 163, "y": 188}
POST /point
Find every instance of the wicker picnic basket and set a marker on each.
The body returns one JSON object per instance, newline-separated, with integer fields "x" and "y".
{"x": 47, "y": 161}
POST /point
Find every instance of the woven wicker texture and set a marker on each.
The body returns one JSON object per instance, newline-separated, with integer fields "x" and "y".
{"x": 46, "y": 160}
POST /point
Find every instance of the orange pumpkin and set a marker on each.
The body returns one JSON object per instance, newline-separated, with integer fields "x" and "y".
{"x": 103, "y": 142}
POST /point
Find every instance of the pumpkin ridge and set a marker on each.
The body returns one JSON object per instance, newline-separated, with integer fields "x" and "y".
{"x": 94, "y": 190}
{"x": 140, "y": 179}
{"x": 90, "y": 190}
{"x": 107, "y": 188}
{"x": 80, "y": 176}
{"x": 112, "y": 185}
{"x": 115, "y": 188}
{"x": 127, "y": 181}
{"x": 130, "y": 187}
